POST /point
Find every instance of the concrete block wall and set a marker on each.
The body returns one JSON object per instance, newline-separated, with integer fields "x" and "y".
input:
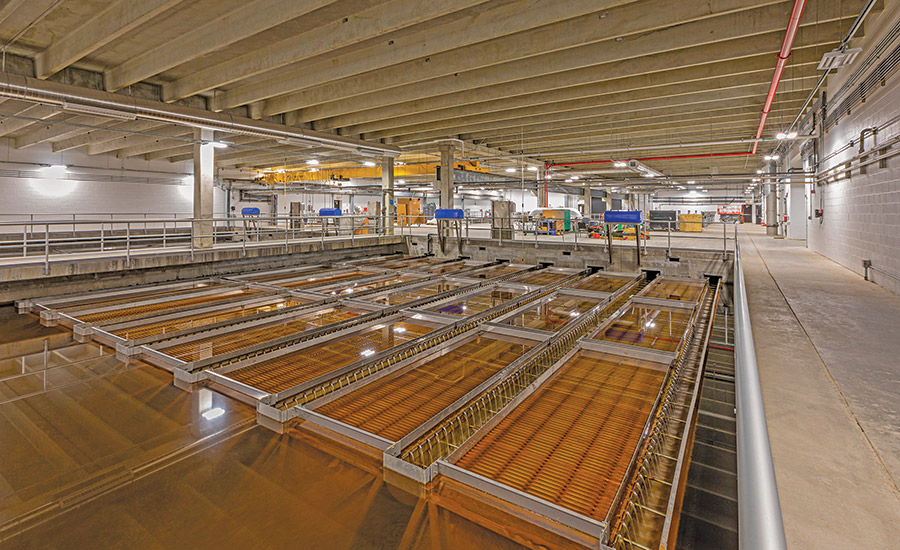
{"x": 862, "y": 212}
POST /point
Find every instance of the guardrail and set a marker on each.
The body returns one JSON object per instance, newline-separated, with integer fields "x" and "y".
{"x": 47, "y": 238}
{"x": 32, "y": 237}
{"x": 760, "y": 525}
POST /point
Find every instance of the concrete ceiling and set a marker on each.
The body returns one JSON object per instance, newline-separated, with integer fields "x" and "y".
{"x": 546, "y": 78}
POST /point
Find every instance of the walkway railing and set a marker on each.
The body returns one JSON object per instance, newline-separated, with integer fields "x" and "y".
{"x": 760, "y": 525}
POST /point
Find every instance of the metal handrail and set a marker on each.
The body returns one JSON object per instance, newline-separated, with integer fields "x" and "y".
{"x": 760, "y": 524}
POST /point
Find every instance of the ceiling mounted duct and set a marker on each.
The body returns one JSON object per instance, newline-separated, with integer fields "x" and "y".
{"x": 837, "y": 58}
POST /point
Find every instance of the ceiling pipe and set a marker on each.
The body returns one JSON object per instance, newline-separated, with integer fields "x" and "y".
{"x": 786, "y": 46}
{"x": 109, "y": 105}
{"x": 671, "y": 157}
{"x": 630, "y": 149}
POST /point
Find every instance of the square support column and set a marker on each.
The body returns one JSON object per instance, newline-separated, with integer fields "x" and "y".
{"x": 445, "y": 186}
{"x": 587, "y": 200}
{"x": 203, "y": 187}
{"x": 387, "y": 195}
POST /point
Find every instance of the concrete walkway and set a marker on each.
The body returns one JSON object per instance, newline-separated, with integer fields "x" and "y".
{"x": 828, "y": 345}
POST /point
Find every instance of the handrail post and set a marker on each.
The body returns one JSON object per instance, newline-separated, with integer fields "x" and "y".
{"x": 128, "y": 244}
{"x": 102, "y": 237}
{"x": 760, "y": 524}
{"x": 46, "y": 249}
{"x": 24, "y": 241}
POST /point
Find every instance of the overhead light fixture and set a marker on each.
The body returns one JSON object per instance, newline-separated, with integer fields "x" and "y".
{"x": 532, "y": 169}
{"x": 781, "y": 135}
{"x": 368, "y": 163}
{"x": 620, "y": 164}
{"x": 837, "y": 58}
{"x": 98, "y": 111}
{"x": 568, "y": 180}
{"x": 690, "y": 182}
{"x": 510, "y": 170}
{"x": 401, "y": 182}
{"x": 312, "y": 162}
{"x": 54, "y": 168}
{"x": 759, "y": 171}
{"x": 574, "y": 177}
{"x": 294, "y": 141}
{"x": 217, "y": 144}
{"x": 791, "y": 135}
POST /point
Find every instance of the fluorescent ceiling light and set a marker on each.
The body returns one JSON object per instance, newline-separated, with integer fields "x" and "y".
{"x": 689, "y": 182}
{"x": 574, "y": 177}
{"x": 781, "y": 135}
{"x": 568, "y": 180}
{"x": 532, "y": 169}
{"x": 759, "y": 171}
{"x": 837, "y": 58}
{"x": 312, "y": 162}
{"x": 510, "y": 170}
{"x": 98, "y": 111}
{"x": 368, "y": 163}
{"x": 401, "y": 182}
{"x": 294, "y": 141}
{"x": 620, "y": 164}
{"x": 791, "y": 135}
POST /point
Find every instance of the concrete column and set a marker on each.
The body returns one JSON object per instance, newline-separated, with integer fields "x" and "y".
{"x": 445, "y": 186}
{"x": 387, "y": 194}
{"x": 587, "y": 200}
{"x": 203, "y": 187}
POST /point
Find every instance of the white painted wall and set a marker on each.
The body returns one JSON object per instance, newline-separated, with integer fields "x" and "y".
{"x": 137, "y": 186}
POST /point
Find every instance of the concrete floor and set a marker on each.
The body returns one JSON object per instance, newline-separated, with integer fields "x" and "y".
{"x": 827, "y": 347}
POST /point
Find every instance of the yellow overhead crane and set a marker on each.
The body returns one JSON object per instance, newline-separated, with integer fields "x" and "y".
{"x": 332, "y": 173}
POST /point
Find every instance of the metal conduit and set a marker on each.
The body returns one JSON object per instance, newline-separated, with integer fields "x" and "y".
{"x": 100, "y": 103}
{"x": 760, "y": 525}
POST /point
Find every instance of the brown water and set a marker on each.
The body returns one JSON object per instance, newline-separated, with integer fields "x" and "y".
{"x": 220, "y": 482}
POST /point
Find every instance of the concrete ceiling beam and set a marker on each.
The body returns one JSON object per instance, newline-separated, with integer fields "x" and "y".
{"x": 251, "y": 18}
{"x": 33, "y": 113}
{"x": 101, "y": 135}
{"x": 53, "y": 129}
{"x": 367, "y": 24}
{"x": 693, "y": 64}
{"x": 117, "y": 20}
{"x": 129, "y": 140}
{"x": 494, "y": 22}
{"x": 629, "y": 32}
{"x": 673, "y": 114}
{"x": 622, "y": 99}
{"x": 755, "y": 94}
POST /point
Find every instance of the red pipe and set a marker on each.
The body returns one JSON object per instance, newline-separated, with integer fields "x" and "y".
{"x": 672, "y": 157}
{"x": 786, "y": 45}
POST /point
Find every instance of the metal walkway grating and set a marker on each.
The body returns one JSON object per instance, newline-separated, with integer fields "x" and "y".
{"x": 238, "y": 339}
{"x": 570, "y": 443}
{"x": 395, "y": 405}
{"x": 294, "y": 368}
{"x": 167, "y": 305}
{"x": 165, "y": 327}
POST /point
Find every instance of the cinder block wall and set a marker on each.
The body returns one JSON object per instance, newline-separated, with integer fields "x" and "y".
{"x": 862, "y": 213}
